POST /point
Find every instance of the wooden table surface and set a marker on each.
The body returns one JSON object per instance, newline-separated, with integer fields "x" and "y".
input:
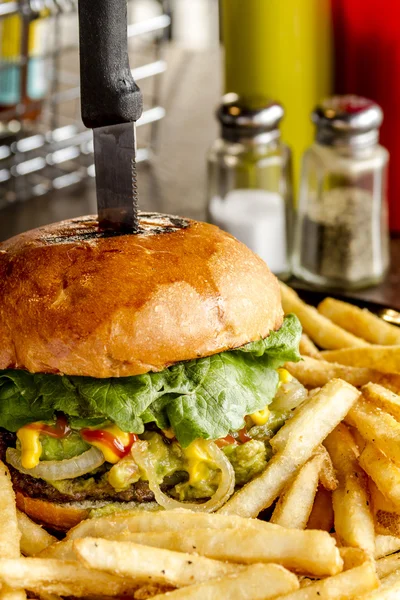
{"x": 174, "y": 182}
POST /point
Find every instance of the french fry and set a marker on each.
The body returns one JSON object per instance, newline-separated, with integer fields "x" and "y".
{"x": 316, "y": 373}
{"x": 248, "y": 541}
{"x": 34, "y": 538}
{"x": 150, "y": 564}
{"x": 166, "y": 520}
{"x": 62, "y": 550}
{"x": 385, "y": 545}
{"x": 318, "y": 417}
{"x": 44, "y": 596}
{"x": 327, "y": 474}
{"x": 312, "y": 552}
{"x": 10, "y": 594}
{"x": 353, "y": 557}
{"x": 386, "y": 514}
{"x": 294, "y": 506}
{"x": 358, "y": 438}
{"x": 9, "y": 533}
{"x": 383, "y": 398}
{"x": 305, "y": 581}
{"x": 149, "y": 591}
{"x": 311, "y": 393}
{"x": 360, "y": 322}
{"x": 258, "y": 582}
{"x": 321, "y": 516}
{"x": 354, "y": 524}
{"x": 382, "y": 471}
{"x": 388, "y": 590}
{"x": 336, "y": 396}
{"x": 348, "y": 584}
{"x": 61, "y": 577}
{"x": 376, "y": 426}
{"x": 388, "y": 565}
{"x": 307, "y": 347}
{"x": 385, "y": 359}
{"x": 320, "y": 329}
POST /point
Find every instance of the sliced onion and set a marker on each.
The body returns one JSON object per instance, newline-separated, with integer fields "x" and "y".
{"x": 55, "y": 470}
{"x": 289, "y": 396}
{"x": 224, "y": 491}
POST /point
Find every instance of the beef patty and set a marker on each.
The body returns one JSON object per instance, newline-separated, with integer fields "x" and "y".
{"x": 38, "y": 488}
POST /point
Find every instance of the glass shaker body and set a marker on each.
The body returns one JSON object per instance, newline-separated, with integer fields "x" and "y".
{"x": 341, "y": 233}
{"x": 250, "y": 195}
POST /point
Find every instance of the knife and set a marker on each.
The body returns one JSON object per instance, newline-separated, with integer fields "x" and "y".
{"x": 111, "y": 102}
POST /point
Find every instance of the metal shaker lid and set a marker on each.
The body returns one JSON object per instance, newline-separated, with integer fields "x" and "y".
{"x": 352, "y": 120}
{"x": 241, "y": 121}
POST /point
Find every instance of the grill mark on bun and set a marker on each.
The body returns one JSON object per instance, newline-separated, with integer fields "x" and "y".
{"x": 87, "y": 229}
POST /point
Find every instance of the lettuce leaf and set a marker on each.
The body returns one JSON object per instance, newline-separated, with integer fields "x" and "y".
{"x": 204, "y": 398}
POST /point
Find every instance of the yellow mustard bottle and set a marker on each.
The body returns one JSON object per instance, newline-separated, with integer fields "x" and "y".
{"x": 280, "y": 49}
{"x": 23, "y": 40}
{"x": 10, "y": 50}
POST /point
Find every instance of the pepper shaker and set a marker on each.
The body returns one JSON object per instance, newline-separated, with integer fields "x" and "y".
{"x": 249, "y": 180}
{"x": 341, "y": 233}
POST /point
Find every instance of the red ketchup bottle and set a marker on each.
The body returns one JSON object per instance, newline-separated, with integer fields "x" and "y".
{"x": 367, "y": 63}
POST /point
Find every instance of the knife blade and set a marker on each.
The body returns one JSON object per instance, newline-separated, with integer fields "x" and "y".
{"x": 111, "y": 102}
{"x": 116, "y": 183}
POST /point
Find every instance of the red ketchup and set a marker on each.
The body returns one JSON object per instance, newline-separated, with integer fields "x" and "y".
{"x": 110, "y": 440}
{"x": 60, "y": 430}
{"x": 229, "y": 439}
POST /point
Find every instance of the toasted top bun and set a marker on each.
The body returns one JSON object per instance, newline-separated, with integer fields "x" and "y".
{"x": 80, "y": 301}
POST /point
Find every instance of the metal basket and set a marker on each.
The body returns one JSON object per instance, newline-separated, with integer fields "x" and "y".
{"x": 43, "y": 143}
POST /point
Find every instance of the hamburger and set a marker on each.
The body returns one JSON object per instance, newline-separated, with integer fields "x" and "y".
{"x": 138, "y": 370}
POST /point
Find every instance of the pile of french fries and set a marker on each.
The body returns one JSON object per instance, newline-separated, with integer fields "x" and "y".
{"x": 321, "y": 522}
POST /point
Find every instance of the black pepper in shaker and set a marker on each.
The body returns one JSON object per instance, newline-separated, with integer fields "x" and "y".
{"x": 341, "y": 235}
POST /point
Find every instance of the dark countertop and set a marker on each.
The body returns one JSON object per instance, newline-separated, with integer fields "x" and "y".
{"x": 387, "y": 293}
{"x": 174, "y": 181}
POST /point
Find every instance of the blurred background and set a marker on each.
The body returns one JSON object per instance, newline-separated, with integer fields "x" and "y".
{"x": 46, "y": 162}
{"x": 185, "y": 54}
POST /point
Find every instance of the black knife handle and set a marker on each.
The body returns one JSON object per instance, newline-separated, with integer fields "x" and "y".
{"x": 109, "y": 94}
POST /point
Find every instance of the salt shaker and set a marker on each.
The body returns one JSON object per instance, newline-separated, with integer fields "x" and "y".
{"x": 341, "y": 234}
{"x": 249, "y": 180}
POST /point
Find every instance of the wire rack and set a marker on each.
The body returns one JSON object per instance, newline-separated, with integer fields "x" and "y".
{"x": 43, "y": 143}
